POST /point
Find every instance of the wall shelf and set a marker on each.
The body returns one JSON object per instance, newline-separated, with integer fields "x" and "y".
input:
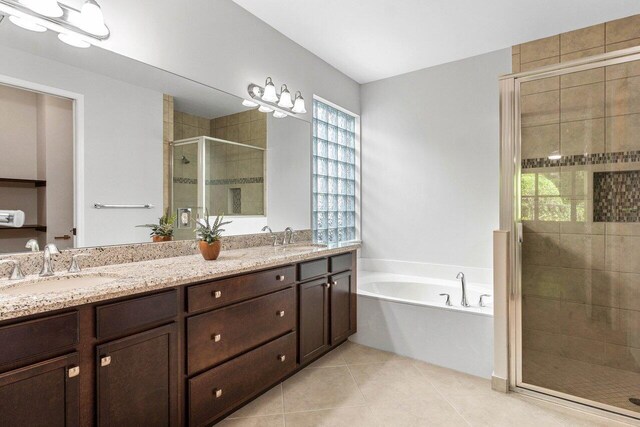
{"x": 7, "y": 182}
{"x": 36, "y": 227}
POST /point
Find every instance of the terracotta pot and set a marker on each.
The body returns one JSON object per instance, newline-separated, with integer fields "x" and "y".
{"x": 162, "y": 238}
{"x": 210, "y": 251}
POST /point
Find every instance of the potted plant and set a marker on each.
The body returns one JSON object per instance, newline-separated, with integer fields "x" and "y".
{"x": 163, "y": 230}
{"x": 209, "y": 236}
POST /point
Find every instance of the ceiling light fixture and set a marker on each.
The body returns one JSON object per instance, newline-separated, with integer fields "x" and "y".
{"x": 79, "y": 28}
{"x": 269, "y": 101}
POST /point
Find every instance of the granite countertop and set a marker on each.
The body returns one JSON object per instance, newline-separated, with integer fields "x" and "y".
{"x": 138, "y": 277}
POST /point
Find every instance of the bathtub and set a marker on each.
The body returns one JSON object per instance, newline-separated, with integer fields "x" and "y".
{"x": 406, "y": 315}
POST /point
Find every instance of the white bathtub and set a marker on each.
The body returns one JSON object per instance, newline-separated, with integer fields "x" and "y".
{"x": 406, "y": 315}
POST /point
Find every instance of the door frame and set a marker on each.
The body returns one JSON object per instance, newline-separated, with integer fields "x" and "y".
{"x": 510, "y": 172}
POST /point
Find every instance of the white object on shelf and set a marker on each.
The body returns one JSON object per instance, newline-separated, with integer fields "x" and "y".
{"x": 12, "y": 218}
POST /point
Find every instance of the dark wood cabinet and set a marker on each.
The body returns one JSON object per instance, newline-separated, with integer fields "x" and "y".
{"x": 340, "y": 302}
{"x": 43, "y": 394}
{"x": 313, "y": 312}
{"x": 137, "y": 380}
{"x": 186, "y": 355}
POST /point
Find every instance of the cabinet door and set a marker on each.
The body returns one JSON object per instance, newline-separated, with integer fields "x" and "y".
{"x": 314, "y": 319}
{"x": 44, "y": 394}
{"x": 341, "y": 288}
{"x": 137, "y": 379}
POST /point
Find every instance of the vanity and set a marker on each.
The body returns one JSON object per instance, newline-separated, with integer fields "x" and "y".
{"x": 188, "y": 352}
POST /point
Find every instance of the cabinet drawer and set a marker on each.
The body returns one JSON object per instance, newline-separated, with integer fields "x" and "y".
{"x": 38, "y": 337}
{"x": 226, "y": 291}
{"x": 340, "y": 263}
{"x": 310, "y": 269}
{"x": 121, "y": 317}
{"x": 221, "y": 334}
{"x": 215, "y": 392}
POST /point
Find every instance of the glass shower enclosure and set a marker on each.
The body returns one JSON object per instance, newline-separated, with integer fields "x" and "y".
{"x": 218, "y": 176}
{"x": 575, "y": 215}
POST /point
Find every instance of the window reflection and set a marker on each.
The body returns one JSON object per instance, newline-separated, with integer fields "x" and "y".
{"x": 553, "y": 196}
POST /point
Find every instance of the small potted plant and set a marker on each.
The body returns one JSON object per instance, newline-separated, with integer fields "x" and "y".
{"x": 209, "y": 236}
{"x": 163, "y": 230}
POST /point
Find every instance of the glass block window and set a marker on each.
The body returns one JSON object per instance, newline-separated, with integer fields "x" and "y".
{"x": 334, "y": 174}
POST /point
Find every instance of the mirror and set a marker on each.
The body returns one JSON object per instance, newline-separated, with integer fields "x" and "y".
{"x": 95, "y": 144}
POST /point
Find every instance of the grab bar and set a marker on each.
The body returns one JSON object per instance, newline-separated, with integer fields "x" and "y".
{"x": 106, "y": 206}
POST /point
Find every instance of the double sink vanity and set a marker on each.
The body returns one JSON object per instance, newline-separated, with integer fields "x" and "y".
{"x": 169, "y": 341}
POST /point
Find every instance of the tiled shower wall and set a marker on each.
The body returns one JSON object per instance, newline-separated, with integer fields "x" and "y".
{"x": 581, "y": 278}
{"x": 167, "y": 138}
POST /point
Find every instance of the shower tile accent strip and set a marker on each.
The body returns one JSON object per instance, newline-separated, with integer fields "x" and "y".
{"x": 616, "y": 196}
{"x": 583, "y": 160}
{"x": 178, "y": 180}
{"x": 226, "y": 181}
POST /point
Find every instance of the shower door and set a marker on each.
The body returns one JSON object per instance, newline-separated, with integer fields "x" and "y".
{"x": 577, "y": 132}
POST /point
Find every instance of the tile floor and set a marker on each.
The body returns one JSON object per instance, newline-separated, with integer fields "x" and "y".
{"x": 357, "y": 386}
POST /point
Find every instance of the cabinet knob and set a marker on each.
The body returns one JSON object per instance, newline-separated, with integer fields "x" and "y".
{"x": 216, "y": 294}
{"x": 105, "y": 361}
{"x": 282, "y": 357}
{"x": 280, "y": 277}
{"x": 334, "y": 283}
{"x": 217, "y": 392}
{"x": 280, "y": 313}
{"x": 327, "y": 285}
{"x": 216, "y": 337}
{"x": 73, "y": 371}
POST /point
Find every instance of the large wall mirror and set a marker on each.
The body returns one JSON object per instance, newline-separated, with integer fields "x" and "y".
{"x": 94, "y": 144}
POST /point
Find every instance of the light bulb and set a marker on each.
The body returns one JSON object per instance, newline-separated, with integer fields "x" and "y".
{"x": 73, "y": 40}
{"x": 248, "y": 103}
{"x": 279, "y": 115}
{"x": 269, "y": 94}
{"x": 27, "y": 24}
{"x": 298, "y": 107}
{"x": 49, "y": 8}
{"x": 555, "y": 155}
{"x": 264, "y": 109}
{"x": 285, "y": 98}
{"x": 92, "y": 19}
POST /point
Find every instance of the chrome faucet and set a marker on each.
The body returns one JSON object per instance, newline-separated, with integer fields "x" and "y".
{"x": 464, "y": 301}
{"x": 33, "y": 245}
{"x": 275, "y": 237}
{"x": 16, "y": 272}
{"x": 284, "y": 238}
{"x": 47, "y": 265}
{"x": 75, "y": 265}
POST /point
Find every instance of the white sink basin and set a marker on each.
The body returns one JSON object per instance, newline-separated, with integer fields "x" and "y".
{"x": 55, "y": 284}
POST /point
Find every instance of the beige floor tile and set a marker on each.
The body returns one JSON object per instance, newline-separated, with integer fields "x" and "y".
{"x": 331, "y": 359}
{"x": 270, "y": 403}
{"x": 321, "y": 388}
{"x": 268, "y": 421}
{"x": 358, "y": 416}
{"x": 355, "y": 354}
{"x": 417, "y": 413}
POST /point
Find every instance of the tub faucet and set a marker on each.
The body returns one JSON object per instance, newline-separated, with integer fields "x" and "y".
{"x": 275, "y": 238}
{"x": 464, "y": 301}
{"x": 47, "y": 265}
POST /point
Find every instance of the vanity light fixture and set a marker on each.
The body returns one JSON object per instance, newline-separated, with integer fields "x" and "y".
{"x": 269, "y": 101}
{"x": 298, "y": 107}
{"x": 79, "y": 28}
{"x": 249, "y": 104}
{"x": 285, "y": 98}
{"x": 269, "y": 93}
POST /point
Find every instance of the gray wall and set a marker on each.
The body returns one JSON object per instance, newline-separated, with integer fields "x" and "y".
{"x": 218, "y": 43}
{"x": 430, "y": 166}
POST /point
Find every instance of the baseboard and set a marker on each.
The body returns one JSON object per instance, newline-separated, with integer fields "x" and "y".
{"x": 499, "y": 384}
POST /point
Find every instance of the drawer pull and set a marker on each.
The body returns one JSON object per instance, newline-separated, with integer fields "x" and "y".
{"x": 334, "y": 283}
{"x": 105, "y": 361}
{"x": 216, "y": 294}
{"x": 73, "y": 372}
{"x": 217, "y": 392}
{"x": 282, "y": 357}
{"x": 327, "y": 285}
{"x": 280, "y": 277}
{"x": 216, "y": 337}
{"x": 280, "y": 313}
